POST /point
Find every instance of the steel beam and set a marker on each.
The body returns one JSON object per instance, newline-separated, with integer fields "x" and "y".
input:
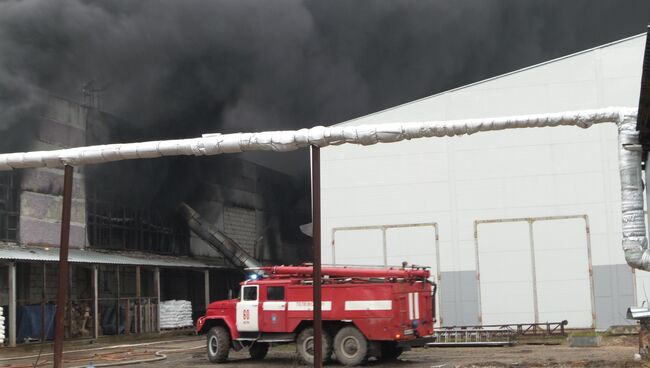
{"x": 62, "y": 292}
{"x": 316, "y": 236}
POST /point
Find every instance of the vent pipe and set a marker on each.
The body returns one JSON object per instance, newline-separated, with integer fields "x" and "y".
{"x": 630, "y": 155}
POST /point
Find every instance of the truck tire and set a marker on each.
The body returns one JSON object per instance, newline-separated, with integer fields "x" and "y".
{"x": 390, "y": 351}
{"x": 305, "y": 345}
{"x": 350, "y": 346}
{"x": 258, "y": 350}
{"x": 218, "y": 344}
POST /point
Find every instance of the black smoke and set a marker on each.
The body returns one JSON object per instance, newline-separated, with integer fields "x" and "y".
{"x": 175, "y": 69}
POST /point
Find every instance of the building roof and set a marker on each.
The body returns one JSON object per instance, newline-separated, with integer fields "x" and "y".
{"x": 356, "y": 120}
{"x": 37, "y": 254}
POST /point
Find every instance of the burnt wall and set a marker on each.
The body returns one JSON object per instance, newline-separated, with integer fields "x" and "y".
{"x": 257, "y": 207}
{"x": 61, "y": 124}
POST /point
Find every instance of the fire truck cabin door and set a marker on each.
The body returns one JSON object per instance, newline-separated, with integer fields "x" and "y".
{"x": 274, "y": 309}
{"x": 248, "y": 309}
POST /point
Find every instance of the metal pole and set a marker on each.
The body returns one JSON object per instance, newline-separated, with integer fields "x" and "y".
{"x": 95, "y": 302}
{"x": 591, "y": 274}
{"x": 12, "y": 304}
{"x": 533, "y": 270}
{"x": 206, "y": 285}
{"x": 43, "y": 302}
{"x": 62, "y": 292}
{"x": 156, "y": 281}
{"x": 138, "y": 303}
{"x": 478, "y": 273}
{"x": 316, "y": 233}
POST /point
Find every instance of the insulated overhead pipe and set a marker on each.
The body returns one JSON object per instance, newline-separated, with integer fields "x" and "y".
{"x": 318, "y": 136}
{"x": 634, "y": 148}
{"x": 635, "y": 245}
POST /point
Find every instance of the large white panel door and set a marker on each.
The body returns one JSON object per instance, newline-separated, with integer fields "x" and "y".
{"x": 562, "y": 264}
{"x": 358, "y": 247}
{"x": 505, "y": 273}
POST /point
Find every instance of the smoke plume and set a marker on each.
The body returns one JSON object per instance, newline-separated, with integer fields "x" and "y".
{"x": 177, "y": 69}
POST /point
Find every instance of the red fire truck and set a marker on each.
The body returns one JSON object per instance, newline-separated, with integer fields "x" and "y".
{"x": 366, "y": 312}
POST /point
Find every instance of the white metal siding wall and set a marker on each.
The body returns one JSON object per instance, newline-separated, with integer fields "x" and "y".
{"x": 519, "y": 173}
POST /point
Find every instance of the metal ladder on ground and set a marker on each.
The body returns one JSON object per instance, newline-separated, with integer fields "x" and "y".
{"x": 494, "y": 335}
{"x": 472, "y": 337}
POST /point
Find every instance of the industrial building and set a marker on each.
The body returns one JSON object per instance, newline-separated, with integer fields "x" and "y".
{"x": 128, "y": 255}
{"x": 519, "y": 226}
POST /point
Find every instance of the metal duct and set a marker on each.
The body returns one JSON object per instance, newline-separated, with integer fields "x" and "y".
{"x": 229, "y": 248}
{"x": 635, "y": 242}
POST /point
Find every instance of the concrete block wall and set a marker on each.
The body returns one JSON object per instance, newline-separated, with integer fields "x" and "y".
{"x": 240, "y": 224}
{"x": 41, "y": 208}
{"x": 63, "y": 125}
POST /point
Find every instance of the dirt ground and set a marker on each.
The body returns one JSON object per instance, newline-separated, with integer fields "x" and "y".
{"x": 189, "y": 351}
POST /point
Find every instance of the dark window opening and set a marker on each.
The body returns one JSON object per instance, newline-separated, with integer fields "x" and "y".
{"x": 9, "y": 210}
{"x": 275, "y": 293}
{"x": 112, "y": 225}
{"x": 250, "y": 293}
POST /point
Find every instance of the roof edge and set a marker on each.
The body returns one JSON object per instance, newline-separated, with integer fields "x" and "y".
{"x": 494, "y": 77}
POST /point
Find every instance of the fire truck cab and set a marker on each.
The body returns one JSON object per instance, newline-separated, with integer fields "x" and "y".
{"x": 366, "y": 312}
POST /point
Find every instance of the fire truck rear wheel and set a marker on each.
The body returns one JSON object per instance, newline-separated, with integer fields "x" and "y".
{"x": 305, "y": 345}
{"x": 258, "y": 350}
{"x": 218, "y": 344}
{"x": 350, "y": 346}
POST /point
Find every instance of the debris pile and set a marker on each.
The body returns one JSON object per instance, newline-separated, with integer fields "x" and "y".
{"x": 175, "y": 314}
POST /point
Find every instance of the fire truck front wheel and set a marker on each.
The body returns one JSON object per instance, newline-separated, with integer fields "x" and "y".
{"x": 350, "y": 346}
{"x": 218, "y": 344}
{"x": 305, "y": 345}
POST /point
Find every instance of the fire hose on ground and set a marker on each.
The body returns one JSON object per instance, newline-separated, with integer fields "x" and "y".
{"x": 158, "y": 355}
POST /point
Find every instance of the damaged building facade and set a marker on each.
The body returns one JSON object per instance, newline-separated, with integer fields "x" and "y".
{"x": 127, "y": 255}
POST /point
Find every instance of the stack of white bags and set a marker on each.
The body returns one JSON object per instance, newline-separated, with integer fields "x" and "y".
{"x": 175, "y": 314}
{"x": 2, "y": 327}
